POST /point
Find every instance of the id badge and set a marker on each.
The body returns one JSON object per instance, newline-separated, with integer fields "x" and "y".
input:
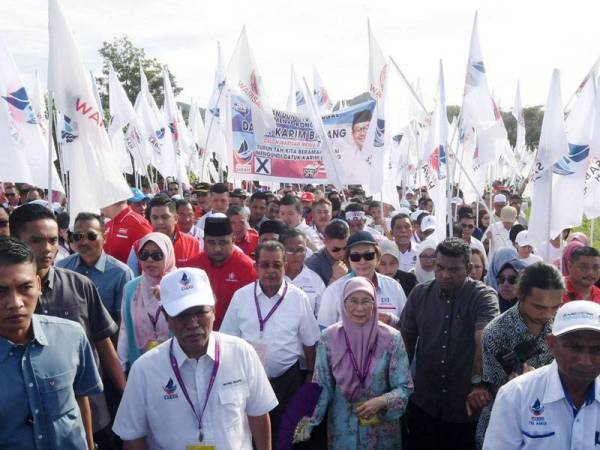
{"x": 204, "y": 445}
{"x": 151, "y": 344}
{"x": 262, "y": 350}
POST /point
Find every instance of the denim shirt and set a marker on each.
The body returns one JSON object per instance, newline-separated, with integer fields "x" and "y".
{"x": 39, "y": 383}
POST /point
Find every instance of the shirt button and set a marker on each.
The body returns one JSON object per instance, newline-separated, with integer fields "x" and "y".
{"x": 448, "y": 301}
{"x": 37, "y": 411}
{"x": 40, "y": 436}
{"x": 443, "y": 362}
{"x": 45, "y": 311}
{"x": 443, "y": 346}
{"x": 30, "y": 384}
{"x": 10, "y": 353}
{"x": 445, "y": 331}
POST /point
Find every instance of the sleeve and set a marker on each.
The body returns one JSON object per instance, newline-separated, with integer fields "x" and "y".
{"x": 126, "y": 276}
{"x": 122, "y": 346}
{"x": 504, "y": 431}
{"x": 230, "y": 324}
{"x": 131, "y": 421}
{"x": 328, "y": 314}
{"x": 487, "y": 307}
{"x": 320, "y": 288}
{"x": 133, "y": 262}
{"x": 492, "y": 369}
{"x": 408, "y": 318}
{"x": 87, "y": 380}
{"x": 262, "y": 399}
{"x": 324, "y": 378}
{"x": 101, "y": 323}
{"x": 400, "y": 381}
{"x": 309, "y": 329}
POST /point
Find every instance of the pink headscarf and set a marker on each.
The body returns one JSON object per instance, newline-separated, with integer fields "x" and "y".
{"x": 567, "y": 252}
{"x": 366, "y": 342}
{"x": 145, "y": 307}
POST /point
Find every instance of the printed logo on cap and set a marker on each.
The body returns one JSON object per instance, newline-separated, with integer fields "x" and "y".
{"x": 185, "y": 282}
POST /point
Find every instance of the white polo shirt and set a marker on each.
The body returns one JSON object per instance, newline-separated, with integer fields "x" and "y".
{"x": 532, "y": 412}
{"x": 500, "y": 237}
{"x": 291, "y": 326}
{"x": 408, "y": 259}
{"x": 390, "y": 299}
{"x": 311, "y": 284}
{"x": 154, "y": 407}
{"x": 315, "y": 243}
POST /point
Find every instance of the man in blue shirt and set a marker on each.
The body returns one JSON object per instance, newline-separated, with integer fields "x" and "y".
{"x": 47, "y": 366}
{"x": 107, "y": 273}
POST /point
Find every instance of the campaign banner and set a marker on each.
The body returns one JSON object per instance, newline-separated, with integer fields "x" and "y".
{"x": 290, "y": 153}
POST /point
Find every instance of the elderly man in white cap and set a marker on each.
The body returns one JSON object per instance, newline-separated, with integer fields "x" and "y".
{"x": 200, "y": 389}
{"x": 555, "y": 407}
{"x": 497, "y": 234}
{"x": 499, "y": 202}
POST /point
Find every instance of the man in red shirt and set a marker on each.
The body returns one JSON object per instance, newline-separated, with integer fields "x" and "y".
{"x": 244, "y": 237}
{"x": 162, "y": 214}
{"x": 227, "y": 267}
{"x": 124, "y": 228}
{"x": 584, "y": 272}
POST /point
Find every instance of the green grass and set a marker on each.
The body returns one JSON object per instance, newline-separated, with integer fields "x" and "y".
{"x": 586, "y": 228}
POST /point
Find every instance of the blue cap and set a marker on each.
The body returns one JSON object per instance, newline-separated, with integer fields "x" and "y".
{"x": 138, "y": 196}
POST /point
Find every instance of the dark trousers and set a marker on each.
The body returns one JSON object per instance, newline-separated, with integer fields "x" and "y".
{"x": 426, "y": 432}
{"x": 284, "y": 386}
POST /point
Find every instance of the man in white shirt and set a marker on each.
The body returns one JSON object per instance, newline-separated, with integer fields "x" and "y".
{"x": 402, "y": 232}
{"x": 296, "y": 272}
{"x": 290, "y": 211}
{"x": 467, "y": 226}
{"x": 276, "y": 318}
{"x": 200, "y": 389}
{"x": 497, "y": 233}
{"x": 555, "y": 407}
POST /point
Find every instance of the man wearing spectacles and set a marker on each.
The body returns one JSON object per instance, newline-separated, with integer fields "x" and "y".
{"x": 4, "y": 228}
{"x": 108, "y": 274}
{"x": 296, "y": 272}
{"x": 276, "y": 318}
{"x": 13, "y": 198}
{"x": 467, "y": 227}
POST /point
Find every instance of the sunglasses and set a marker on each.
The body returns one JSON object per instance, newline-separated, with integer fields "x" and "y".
{"x": 3, "y": 223}
{"x": 337, "y": 249}
{"x": 156, "y": 256}
{"x": 90, "y": 236}
{"x": 467, "y": 225}
{"x": 10, "y": 194}
{"x": 267, "y": 265}
{"x": 295, "y": 251}
{"x": 510, "y": 280}
{"x": 356, "y": 257}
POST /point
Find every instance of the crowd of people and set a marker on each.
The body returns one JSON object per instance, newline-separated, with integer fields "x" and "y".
{"x": 307, "y": 318}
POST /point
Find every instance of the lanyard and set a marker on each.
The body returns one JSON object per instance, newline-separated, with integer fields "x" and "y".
{"x": 262, "y": 321}
{"x": 154, "y": 320}
{"x": 362, "y": 376}
{"x": 211, "y": 381}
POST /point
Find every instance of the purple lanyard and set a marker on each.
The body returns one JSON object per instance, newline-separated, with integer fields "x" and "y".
{"x": 154, "y": 320}
{"x": 211, "y": 382}
{"x": 361, "y": 376}
{"x": 262, "y": 321}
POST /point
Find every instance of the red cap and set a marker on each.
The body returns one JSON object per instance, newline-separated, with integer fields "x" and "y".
{"x": 307, "y": 197}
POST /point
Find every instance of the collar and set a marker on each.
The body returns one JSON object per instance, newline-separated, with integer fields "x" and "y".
{"x": 555, "y": 390}
{"x": 100, "y": 264}
{"x": 38, "y": 336}
{"x": 571, "y": 288}
{"x": 279, "y": 293}
{"x": 181, "y": 357}
{"x": 122, "y": 215}
{"x": 289, "y": 279}
{"x": 49, "y": 281}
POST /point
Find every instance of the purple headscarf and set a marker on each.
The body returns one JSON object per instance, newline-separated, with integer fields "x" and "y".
{"x": 567, "y": 252}
{"x": 365, "y": 342}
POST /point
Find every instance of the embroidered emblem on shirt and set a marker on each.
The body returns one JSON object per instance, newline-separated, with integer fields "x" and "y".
{"x": 231, "y": 277}
{"x": 537, "y": 409}
{"x": 170, "y": 389}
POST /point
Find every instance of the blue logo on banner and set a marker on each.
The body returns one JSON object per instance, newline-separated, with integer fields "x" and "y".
{"x": 68, "y": 132}
{"x": 379, "y": 133}
{"x": 20, "y": 101}
{"x": 577, "y": 153}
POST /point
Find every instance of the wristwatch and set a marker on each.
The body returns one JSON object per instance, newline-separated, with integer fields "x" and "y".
{"x": 476, "y": 380}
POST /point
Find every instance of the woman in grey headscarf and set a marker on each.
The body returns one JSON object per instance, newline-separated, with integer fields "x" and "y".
{"x": 503, "y": 275}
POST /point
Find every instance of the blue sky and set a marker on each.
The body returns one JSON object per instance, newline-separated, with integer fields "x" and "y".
{"x": 522, "y": 40}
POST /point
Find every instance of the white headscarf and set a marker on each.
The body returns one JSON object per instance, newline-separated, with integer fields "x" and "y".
{"x": 422, "y": 274}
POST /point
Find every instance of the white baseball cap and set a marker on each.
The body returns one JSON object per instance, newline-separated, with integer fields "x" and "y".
{"x": 576, "y": 315}
{"x": 415, "y": 215}
{"x": 499, "y": 198}
{"x": 183, "y": 289}
{"x": 428, "y": 223}
{"x": 522, "y": 239}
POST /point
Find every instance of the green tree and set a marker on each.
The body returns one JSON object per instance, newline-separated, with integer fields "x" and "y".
{"x": 126, "y": 60}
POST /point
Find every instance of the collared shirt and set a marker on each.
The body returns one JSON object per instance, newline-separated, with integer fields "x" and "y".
{"x": 408, "y": 259}
{"x": 389, "y": 293}
{"x": 122, "y": 231}
{"x": 39, "y": 382}
{"x": 314, "y": 242}
{"x": 321, "y": 263}
{"x": 572, "y": 294}
{"x": 291, "y": 326}
{"x": 533, "y": 411}
{"x": 154, "y": 407}
{"x": 311, "y": 284}
{"x": 236, "y": 272}
{"x": 249, "y": 242}
{"x": 500, "y": 237}
{"x": 109, "y": 275}
{"x": 445, "y": 325}
{"x": 257, "y": 225}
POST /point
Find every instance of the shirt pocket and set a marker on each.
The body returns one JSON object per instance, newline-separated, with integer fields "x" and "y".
{"x": 538, "y": 439}
{"x": 57, "y": 393}
{"x": 233, "y": 404}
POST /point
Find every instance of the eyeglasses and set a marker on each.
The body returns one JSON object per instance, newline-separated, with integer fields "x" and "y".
{"x": 295, "y": 251}
{"x": 156, "y": 256}
{"x": 510, "y": 279}
{"x": 90, "y": 236}
{"x": 364, "y": 303}
{"x": 356, "y": 257}
{"x": 3, "y": 223}
{"x": 10, "y": 194}
{"x": 265, "y": 265}
{"x": 427, "y": 258}
{"x": 337, "y": 249}
{"x": 467, "y": 225}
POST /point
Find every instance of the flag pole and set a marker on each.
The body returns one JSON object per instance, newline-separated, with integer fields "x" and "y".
{"x": 50, "y": 162}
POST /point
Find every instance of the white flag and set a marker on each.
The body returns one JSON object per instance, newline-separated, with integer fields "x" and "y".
{"x": 121, "y": 114}
{"x": 244, "y": 80}
{"x": 552, "y": 147}
{"x": 296, "y": 100}
{"x": 175, "y": 128}
{"x": 592, "y": 183}
{"x": 517, "y": 113}
{"x": 214, "y": 117}
{"x": 321, "y": 94}
{"x": 95, "y": 182}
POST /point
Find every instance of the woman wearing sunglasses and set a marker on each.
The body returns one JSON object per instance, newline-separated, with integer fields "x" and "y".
{"x": 503, "y": 276}
{"x": 362, "y": 367}
{"x": 143, "y": 326}
{"x": 362, "y": 257}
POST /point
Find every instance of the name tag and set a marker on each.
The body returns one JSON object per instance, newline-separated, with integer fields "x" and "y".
{"x": 200, "y": 446}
